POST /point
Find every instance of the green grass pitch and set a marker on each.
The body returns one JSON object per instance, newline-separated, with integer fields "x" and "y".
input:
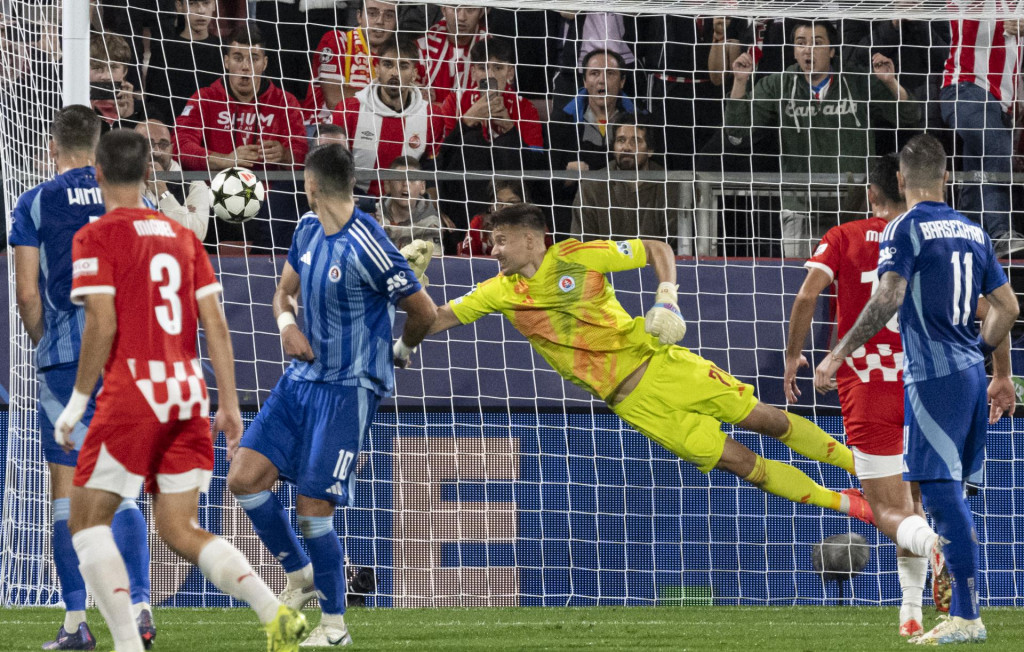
{"x": 633, "y": 629}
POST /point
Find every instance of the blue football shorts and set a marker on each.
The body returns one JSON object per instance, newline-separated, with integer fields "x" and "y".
{"x": 945, "y": 424}
{"x": 55, "y": 386}
{"x": 313, "y": 432}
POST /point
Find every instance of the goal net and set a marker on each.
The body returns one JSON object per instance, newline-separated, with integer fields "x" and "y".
{"x": 487, "y": 479}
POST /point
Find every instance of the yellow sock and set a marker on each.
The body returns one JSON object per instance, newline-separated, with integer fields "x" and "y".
{"x": 793, "y": 484}
{"x": 814, "y": 443}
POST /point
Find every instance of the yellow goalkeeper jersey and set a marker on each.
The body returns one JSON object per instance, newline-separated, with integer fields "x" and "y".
{"x": 569, "y": 313}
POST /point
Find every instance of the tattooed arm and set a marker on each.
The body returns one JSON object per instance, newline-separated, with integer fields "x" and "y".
{"x": 879, "y": 309}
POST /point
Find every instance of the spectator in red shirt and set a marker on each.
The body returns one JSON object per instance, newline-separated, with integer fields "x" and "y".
{"x": 445, "y": 51}
{"x": 486, "y": 128}
{"x": 504, "y": 192}
{"x": 246, "y": 120}
{"x": 344, "y": 62}
{"x": 389, "y": 118}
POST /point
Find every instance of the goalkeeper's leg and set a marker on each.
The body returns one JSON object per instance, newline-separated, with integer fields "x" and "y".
{"x": 788, "y": 482}
{"x": 799, "y": 434}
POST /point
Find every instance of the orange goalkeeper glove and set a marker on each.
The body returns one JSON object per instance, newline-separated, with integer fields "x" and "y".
{"x": 664, "y": 320}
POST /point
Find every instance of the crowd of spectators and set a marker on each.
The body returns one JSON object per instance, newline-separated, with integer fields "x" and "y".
{"x": 594, "y": 110}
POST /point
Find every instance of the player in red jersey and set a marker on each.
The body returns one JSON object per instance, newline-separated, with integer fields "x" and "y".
{"x": 871, "y": 381}
{"x": 146, "y": 284}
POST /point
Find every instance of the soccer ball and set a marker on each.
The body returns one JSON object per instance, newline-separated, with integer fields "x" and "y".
{"x": 237, "y": 195}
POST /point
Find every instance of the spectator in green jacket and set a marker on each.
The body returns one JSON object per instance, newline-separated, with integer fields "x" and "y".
{"x": 822, "y": 118}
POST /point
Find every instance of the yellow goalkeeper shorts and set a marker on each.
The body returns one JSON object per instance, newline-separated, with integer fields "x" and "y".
{"x": 681, "y": 403}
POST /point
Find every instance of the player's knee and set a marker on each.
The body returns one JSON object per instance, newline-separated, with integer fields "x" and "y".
{"x": 178, "y": 531}
{"x": 766, "y": 420}
{"x": 250, "y": 476}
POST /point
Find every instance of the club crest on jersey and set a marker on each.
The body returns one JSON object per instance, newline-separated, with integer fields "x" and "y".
{"x": 415, "y": 141}
{"x": 821, "y": 249}
{"x": 334, "y": 274}
{"x": 567, "y": 284}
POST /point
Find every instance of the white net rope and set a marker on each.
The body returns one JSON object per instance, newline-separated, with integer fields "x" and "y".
{"x": 488, "y": 480}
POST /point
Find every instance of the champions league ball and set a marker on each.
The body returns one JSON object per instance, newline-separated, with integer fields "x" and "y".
{"x": 237, "y": 195}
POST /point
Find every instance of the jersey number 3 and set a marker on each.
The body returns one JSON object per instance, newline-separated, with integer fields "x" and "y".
{"x": 165, "y": 271}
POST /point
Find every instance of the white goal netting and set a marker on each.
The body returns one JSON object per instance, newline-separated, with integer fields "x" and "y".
{"x": 488, "y": 480}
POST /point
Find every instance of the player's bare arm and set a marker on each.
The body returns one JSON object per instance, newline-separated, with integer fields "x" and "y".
{"x": 664, "y": 320}
{"x": 286, "y": 299}
{"x": 799, "y": 326}
{"x": 1002, "y": 312}
{"x": 877, "y": 312}
{"x": 421, "y": 312}
{"x": 30, "y": 303}
{"x": 97, "y": 339}
{"x": 222, "y": 357}
{"x": 444, "y": 320}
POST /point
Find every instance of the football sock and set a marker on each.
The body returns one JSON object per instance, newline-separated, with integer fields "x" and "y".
{"x": 814, "y": 443}
{"x": 793, "y": 484}
{"x": 912, "y": 572}
{"x": 131, "y": 536}
{"x": 915, "y": 535}
{"x": 104, "y": 573}
{"x": 944, "y": 500}
{"x": 72, "y": 619}
{"x": 328, "y": 561}
{"x": 228, "y": 569}
{"x": 271, "y": 525}
{"x": 72, "y": 586}
{"x": 299, "y": 579}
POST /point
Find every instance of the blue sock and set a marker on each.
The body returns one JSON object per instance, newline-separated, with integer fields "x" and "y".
{"x": 272, "y": 526}
{"x": 72, "y": 586}
{"x": 328, "y": 561}
{"x": 132, "y": 538}
{"x": 944, "y": 501}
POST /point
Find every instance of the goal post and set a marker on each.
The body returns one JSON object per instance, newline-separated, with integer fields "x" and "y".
{"x": 487, "y": 479}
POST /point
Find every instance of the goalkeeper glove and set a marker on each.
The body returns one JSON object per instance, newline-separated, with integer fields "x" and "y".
{"x": 419, "y": 253}
{"x": 402, "y": 352}
{"x": 664, "y": 320}
{"x": 70, "y": 417}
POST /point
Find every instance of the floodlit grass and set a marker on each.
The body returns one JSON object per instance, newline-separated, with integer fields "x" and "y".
{"x": 635, "y": 629}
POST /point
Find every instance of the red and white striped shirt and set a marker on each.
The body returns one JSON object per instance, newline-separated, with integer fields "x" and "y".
{"x": 444, "y": 64}
{"x": 340, "y": 58}
{"x": 981, "y": 54}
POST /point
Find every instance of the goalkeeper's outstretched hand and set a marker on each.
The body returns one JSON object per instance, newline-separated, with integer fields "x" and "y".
{"x": 419, "y": 253}
{"x": 664, "y": 320}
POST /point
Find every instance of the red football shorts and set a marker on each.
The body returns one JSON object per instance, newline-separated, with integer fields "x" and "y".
{"x": 169, "y": 457}
{"x": 873, "y": 416}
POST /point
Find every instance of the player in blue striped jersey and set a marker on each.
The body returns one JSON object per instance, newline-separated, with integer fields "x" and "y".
{"x": 43, "y": 223}
{"x": 943, "y": 264}
{"x": 311, "y": 428}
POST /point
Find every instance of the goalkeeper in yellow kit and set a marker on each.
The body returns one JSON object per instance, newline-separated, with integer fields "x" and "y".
{"x": 559, "y": 298}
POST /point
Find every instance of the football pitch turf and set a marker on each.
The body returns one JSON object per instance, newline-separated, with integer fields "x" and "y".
{"x": 636, "y": 629}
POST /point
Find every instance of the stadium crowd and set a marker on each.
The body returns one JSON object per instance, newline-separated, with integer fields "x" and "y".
{"x": 554, "y": 97}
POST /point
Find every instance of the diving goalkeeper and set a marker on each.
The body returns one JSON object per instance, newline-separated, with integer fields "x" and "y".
{"x": 560, "y": 300}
